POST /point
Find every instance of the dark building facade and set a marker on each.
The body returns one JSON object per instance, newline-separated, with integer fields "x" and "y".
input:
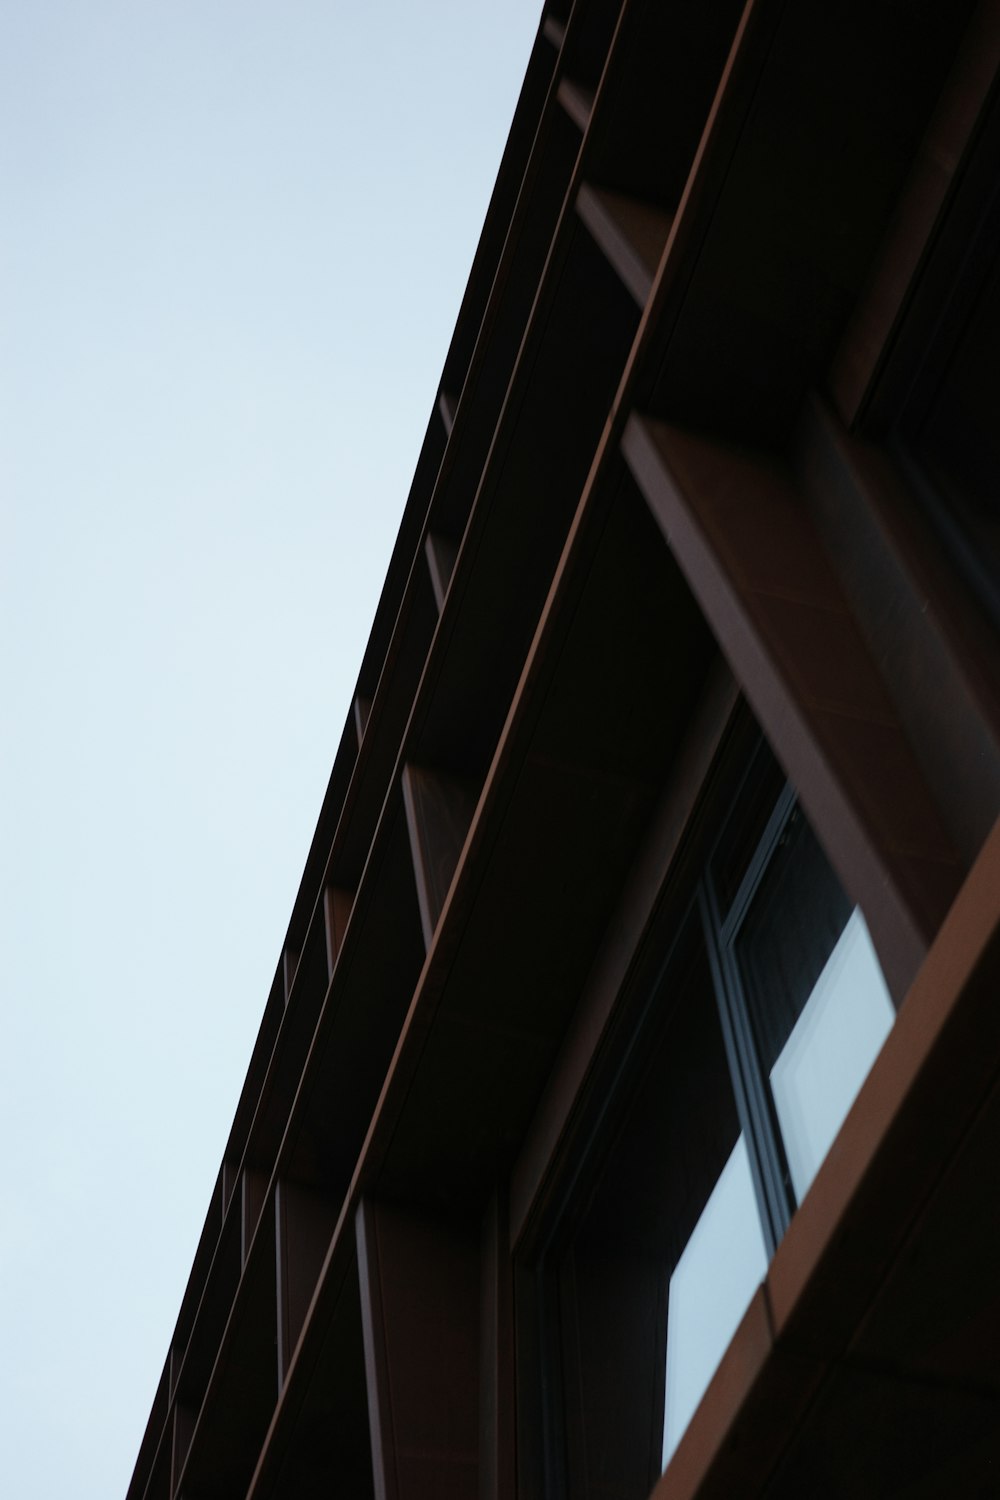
{"x": 625, "y": 1113}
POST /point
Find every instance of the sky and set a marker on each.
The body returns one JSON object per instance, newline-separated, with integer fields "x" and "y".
{"x": 234, "y": 239}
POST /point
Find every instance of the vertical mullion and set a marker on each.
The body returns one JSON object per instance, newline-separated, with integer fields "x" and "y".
{"x": 759, "y": 860}
{"x": 752, "y": 1096}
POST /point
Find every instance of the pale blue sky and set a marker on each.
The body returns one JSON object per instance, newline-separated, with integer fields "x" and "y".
{"x": 233, "y": 243}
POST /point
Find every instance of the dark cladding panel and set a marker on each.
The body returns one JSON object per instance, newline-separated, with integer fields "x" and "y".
{"x": 420, "y": 1313}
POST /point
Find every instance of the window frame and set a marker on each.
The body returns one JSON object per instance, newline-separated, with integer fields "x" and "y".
{"x": 689, "y": 898}
{"x": 754, "y": 1101}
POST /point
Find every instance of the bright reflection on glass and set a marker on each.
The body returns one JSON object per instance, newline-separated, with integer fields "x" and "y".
{"x": 718, "y": 1272}
{"x": 830, "y": 1051}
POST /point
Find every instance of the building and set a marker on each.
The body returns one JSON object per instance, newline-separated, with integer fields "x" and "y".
{"x": 666, "y": 809}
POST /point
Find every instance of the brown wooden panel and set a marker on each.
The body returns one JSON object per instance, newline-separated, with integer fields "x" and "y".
{"x": 913, "y": 1440}
{"x": 325, "y": 1448}
{"x": 756, "y": 566}
{"x": 446, "y": 406}
{"x": 240, "y": 1397}
{"x": 940, "y": 667}
{"x": 253, "y": 1191}
{"x": 439, "y": 810}
{"x": 937, "y": 1314}
{"x": 553, "y": 31}
{"x": 420, "y": 1308}
{"x": 614, "y": 1325}
{"x": 497, "y": 1421}
{"x": 362, "y": 708}
{"x": 213, "y": 1311}
{"x": 230, "y": 1176}
{"x": 337, "y": 904}
{"x": 181, "y": 1433}
{"x": 352, "y": 1044}
{"x": 383, "y": 730}
{"x": 289, "y": 963}
{"x": 304, "y": 1223}
{"x": 441, "y": 554}
{"x": 631, "y": 234}
{"x": 577, "y": 101}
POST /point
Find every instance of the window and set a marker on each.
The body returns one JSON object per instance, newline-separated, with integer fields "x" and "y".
{"x": 804, "y": 1006}
{"x": 711, "y": 1285}
{"x": 741, "y": 1061}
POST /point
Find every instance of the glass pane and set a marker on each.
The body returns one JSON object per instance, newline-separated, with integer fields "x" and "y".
{"x": 643, "y": 1232}
{"x": 794, "y": 921}
{"x": 830, "y": 1051}
{"x": 818, "y": 1005}
{"x": 718, "y": 1272}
